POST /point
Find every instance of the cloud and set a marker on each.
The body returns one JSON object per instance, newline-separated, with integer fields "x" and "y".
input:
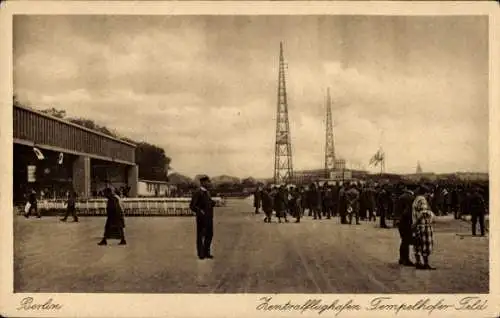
{"x": 210, "y": 98}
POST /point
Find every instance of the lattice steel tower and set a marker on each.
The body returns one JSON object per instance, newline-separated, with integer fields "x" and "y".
{"x": 329, "y": 144}
{"x": 283, "y": 170}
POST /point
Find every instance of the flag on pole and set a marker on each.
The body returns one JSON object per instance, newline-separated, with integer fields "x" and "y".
{"x": 61, "y": 158}
{"x": 377, "y": 158}
{"x": 38, "y": 153}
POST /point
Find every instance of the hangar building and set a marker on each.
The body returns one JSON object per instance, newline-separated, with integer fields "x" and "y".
{"x": 54, "y": 155}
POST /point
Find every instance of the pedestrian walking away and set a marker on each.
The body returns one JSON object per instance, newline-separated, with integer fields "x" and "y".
{"x": 71, "y": 207}
{"x": 115, "y": 219}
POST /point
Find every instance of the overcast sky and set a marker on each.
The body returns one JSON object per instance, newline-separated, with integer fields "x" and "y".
{"x": 205, "y": 88}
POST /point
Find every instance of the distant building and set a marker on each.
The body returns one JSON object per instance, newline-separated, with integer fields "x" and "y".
{"x": 419, "y": 176}
{"x": 463, "y": 176}
{"x": 340, "y": 164}
{"x": 308, "y": 176}
{"x": 151, "y": 188}
{"x": 472, "y": 176}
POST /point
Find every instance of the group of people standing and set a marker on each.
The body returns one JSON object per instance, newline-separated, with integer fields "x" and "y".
{"x": 351, "y": 202}
{"x": 409, "y": 206}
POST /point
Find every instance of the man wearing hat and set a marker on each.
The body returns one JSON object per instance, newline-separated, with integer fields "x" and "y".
{"x": 203, "y": 205}
{"x": 257, "y": 199}
{"x": 384, "y": 202}
{"x": 477, "y": 208}
{"x": 404, "y": 212}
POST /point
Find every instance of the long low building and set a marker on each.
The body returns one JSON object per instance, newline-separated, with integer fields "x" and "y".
{"x": 152, "y": 188}
{"x": 302, "y": 177}
{"x": 53, "y": 155}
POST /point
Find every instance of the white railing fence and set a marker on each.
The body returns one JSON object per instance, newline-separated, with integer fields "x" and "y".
{"x": 131, "y": 206}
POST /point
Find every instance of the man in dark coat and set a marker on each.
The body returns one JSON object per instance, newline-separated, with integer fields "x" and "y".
{"x": 477, "y": 209}
{"x": 328, "y": 201}
{"x": 71, "y": 208}
{"x": 370, "y": 202}
{"x": 303, "y": 200}
{"x": 464, "y": 199}
{"x": 281, "y": 204}
{"x": 295, "y": 204}
{"x": 342, "y": 205}
{"x": 203, "y": 205}
{"x": 404, "y": 211}
{"x": 384, "y": 201}
{"x": 352, "y": 199}
{"x": 322, "y": 192}
{"x": 307, "y": 201}
{"x": 454, "y": 202}
{"x": 335, "y": 197}
{"x": 315, "y": 201}
{"x": 32, "y": 200}
{"x": 267, "y": 204}
{"x": 363, "y": 202}
{"x": 115, "y": 221}
{"x": 257, "y": 199}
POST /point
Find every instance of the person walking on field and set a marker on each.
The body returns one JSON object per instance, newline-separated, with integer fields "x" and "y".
{"x": 422, "y": 218}
{"x": 32, "y": 205}
{"x": 477, "y": 209}
{"x": 257, "y": 199}
{"x": 203, "y": 205}
{"x": 115, "y": 221}
{"x": 71, "y": 208}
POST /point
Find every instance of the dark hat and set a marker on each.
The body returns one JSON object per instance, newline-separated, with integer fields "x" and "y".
{"x": 204, "y": 179}
{"x": 423, "y": 189}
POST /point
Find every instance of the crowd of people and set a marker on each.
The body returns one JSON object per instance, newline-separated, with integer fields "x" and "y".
{"x": 411, "y": 206}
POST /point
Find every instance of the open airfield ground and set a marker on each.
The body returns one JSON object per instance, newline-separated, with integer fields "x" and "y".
{"x": 250, "y": 257}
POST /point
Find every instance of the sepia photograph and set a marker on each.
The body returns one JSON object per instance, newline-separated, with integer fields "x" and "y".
{"x": 251, "y": 154}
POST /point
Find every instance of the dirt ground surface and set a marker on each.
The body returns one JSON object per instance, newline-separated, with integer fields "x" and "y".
{"x": 250, "y": 257}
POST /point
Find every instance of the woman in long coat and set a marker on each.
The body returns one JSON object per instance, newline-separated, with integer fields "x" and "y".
{"x": 422, "y": 218}
{"x": 115, "y": 221}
